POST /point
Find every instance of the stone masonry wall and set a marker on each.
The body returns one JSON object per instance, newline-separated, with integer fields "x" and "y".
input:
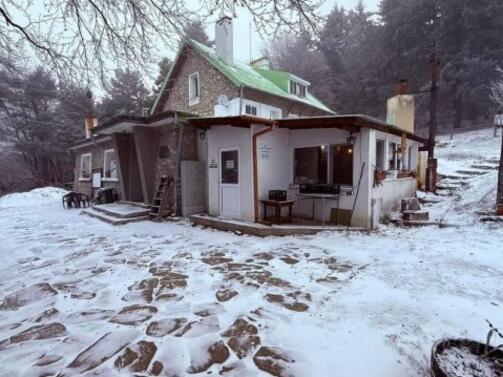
{"x": 168, "y": 137}
{"x": 211, "y": 83}
{"x": 97, "y": 162}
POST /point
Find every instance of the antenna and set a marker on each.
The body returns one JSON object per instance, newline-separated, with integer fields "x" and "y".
{"x": 250, "y": 42}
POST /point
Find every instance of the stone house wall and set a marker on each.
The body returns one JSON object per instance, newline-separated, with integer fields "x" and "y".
{"x": 211, "y": 83}
{"x": 97, "y": 162}
{"x": 166, "y": 165}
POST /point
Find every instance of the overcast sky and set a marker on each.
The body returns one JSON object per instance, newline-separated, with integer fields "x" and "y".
{"x": 243, "y": 21}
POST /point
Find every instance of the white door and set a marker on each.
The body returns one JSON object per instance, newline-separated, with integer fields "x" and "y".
{"x": 230, "y": 193}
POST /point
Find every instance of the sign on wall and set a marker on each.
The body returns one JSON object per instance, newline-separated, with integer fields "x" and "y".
{"x": 265, "y": 151}
{"x": 213, "y": 164}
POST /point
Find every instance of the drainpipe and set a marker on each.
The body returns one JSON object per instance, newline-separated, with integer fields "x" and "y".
{"x": 178, "y": 153}
{"x": 241, "y": 89}
{"x": 255, "y": 168}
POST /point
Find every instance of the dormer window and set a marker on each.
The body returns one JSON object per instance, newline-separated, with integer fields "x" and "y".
{"x": 298, "y": 89}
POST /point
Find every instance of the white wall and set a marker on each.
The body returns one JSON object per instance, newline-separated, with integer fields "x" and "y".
{"x": 276, "y": 171}
{"x": 392, "y": 191}
{"x": 232, "y": 108}
{"x": 223, "y": 137}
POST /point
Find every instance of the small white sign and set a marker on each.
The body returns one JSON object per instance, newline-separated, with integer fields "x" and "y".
{"x": 213, "y": 164}
{"x": 265, "y": 151}
{"x": 229, "y": 164}
{"x": 96, "y": 180}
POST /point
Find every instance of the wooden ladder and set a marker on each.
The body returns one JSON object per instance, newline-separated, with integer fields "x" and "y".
{"x": 159, "y": 202}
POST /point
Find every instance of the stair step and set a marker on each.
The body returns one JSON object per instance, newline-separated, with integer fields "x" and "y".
{"x": 121, "y": 210}
{"x": 471, "y": 172}
{"x": 419, "y": 215}
{"x": 485, "y": 167}
{"x": 111, "y": 219}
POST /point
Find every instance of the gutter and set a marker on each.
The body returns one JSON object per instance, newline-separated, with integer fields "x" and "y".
{"x": 255, "y": 169}
{"x": 241, "y": 89}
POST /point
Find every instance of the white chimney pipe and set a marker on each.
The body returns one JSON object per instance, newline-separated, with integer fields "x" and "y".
{"x": 224, "y": 39}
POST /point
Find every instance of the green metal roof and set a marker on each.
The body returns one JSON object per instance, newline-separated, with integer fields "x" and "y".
{"x": 265, "y": 80}
{"x": 269, "y": 81}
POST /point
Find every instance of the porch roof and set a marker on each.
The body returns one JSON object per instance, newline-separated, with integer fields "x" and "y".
{"x": 348, "y": 122}
{"x": 125, "y": 123}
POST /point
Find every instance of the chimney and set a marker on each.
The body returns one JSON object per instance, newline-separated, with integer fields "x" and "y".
{"x": 224, "y": 39}
{"x": 401, "y": 108}
{"x": 90, "y": 121}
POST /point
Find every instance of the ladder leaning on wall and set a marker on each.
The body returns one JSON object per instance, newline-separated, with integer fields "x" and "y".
{"x": 159, "y": 202}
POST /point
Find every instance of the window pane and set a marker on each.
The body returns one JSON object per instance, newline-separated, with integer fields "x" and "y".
{"x": 342, "y": 164}
{"x": 252, "y": 110}
{"x": 392, "y": 156}
{"x": 230, "y": 167}
{"x": 380, "y": 154}
{"x": 110, "y": 165}
{"x": 85, "y": 165}
{"x": 310, "y": 165}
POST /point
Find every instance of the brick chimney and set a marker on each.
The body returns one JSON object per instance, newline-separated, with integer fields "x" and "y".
{"x": 224, "y": 39}
{"x": 90, "y": 120}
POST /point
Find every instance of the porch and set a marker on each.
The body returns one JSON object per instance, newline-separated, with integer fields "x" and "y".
{"x": 263, "y": 230}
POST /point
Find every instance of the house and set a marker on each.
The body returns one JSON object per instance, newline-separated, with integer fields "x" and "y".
{"x": 132, "y": 153}
{"x": 340, "y": 158}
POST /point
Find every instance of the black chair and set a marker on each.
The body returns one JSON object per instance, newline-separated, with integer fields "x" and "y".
{"x": 75, "y": 200}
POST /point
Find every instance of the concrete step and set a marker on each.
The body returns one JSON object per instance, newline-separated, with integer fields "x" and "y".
{"x": 137, "y": 204}
{"x": 111, "y": 219}
{"x": 485, "y": 167}
{"x": 414, "y": 223}
{"x": 492, "y": 161}
{"x": 450, "y": 187}
{"x": 471, "y": 172}
{"x": 121, "y": 210}
{"x": 418, "y": 215}
{"x": 454, "y": 177}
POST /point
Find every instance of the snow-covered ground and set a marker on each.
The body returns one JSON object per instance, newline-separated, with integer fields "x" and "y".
{"x": 81, "y": 296}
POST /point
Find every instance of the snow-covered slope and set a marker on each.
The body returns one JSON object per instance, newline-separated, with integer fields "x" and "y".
{"x": 81, "y": 296}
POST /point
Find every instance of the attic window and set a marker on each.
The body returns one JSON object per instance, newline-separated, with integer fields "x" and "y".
{"x": 298, "y": 89}
{"x": 251, "y": 110}
{"x": 194, "y": 89}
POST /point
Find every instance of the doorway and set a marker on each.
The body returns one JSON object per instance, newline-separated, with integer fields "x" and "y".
{"x": 230, "y": 192}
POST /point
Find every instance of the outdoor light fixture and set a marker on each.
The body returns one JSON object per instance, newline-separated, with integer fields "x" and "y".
{"x": 351, "y": 139}
{"x": 202, "y": 135}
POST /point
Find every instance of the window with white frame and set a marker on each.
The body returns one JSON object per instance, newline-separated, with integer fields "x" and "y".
{"x": 110, "y": 165}
{"x": 85, "y": 166}
{"x": 194, "y": 88}
{"x": 251, "y": 110}
{"x": 380, "y": 160}
{"x": 298, "y": 89}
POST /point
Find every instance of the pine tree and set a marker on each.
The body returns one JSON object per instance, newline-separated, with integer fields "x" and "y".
{"x": 126, "y": 94}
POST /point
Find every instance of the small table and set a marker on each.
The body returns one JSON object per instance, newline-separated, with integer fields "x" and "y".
{"x": 278, "y": 205}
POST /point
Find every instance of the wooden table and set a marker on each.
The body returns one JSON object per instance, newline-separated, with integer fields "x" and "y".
{"x": 278, "y": 205}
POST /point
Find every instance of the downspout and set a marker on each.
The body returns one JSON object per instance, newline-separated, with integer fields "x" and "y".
{"x": 177, "y": 167}
{"x": 255, "y": 169}
{"x": 241, "y": 90}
